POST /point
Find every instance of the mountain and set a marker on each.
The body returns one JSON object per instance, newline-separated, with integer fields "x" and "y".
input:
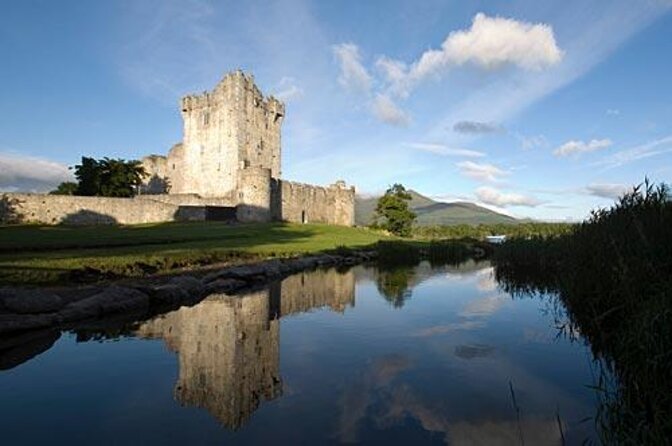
{"x": 435, "y": 213}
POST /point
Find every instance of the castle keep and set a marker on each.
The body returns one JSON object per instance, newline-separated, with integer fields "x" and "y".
{"x": 231, "y": 154}
{"x": 228, "y": 167}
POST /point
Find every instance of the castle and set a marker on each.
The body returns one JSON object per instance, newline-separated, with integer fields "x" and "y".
{"x": 228, "y": 167}
{"x": 232, "y": 153}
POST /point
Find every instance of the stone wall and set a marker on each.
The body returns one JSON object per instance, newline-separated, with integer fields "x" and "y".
{"x": 305, "y": 203}
{"x": 57, "y": 209}
{"x": 254, "y": 192}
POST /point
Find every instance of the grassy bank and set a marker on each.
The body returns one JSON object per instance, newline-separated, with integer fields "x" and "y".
{"x": 517, "y": 230}
{"x": 48, "y": 254}
{"x": 614, "y": 275}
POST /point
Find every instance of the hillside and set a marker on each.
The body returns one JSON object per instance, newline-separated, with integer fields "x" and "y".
{"x": 434, "y": 213}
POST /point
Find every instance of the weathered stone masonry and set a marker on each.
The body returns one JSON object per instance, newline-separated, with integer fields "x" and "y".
{"x": 228, "y": 166}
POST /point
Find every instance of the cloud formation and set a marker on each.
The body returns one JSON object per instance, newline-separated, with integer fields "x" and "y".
{"x": 577, "y": 147}
{"x": 476, "y": 128}
{"x": 30, "y": 174}
{"x": 440, "y": 149}
{"x": 287, "y": 90}
{"x": 495, "y": 197}
{"x": 481, "y": 171}
{"x": 387, "y": 111}
{"x": 354, "y": 76}
{"x": 607, "y": 190}
{"x": 646, "y": 150}
{"x": 490, "y": 43}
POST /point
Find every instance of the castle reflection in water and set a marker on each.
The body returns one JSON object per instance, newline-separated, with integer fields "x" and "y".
{"x": 228, "y": 346}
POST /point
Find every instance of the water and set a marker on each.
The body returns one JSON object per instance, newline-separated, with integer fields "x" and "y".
{"x": 412, "y": 356}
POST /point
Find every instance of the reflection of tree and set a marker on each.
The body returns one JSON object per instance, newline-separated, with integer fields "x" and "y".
{"x": 395, "y": 284}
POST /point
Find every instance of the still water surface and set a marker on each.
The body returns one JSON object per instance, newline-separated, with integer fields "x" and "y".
{"x": 424, "y": 355}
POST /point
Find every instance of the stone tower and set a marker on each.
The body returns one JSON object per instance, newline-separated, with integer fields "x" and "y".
{"x": 229, "y": 129}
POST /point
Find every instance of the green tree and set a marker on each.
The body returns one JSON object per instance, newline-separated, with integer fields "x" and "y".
{"x": 88, "y": 177}
{"x": 65, "y": 188}
{"x": 392, "y": 212}
{"x": 109, "y": 177}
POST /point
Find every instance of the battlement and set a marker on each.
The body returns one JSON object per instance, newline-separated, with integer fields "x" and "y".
{"x": 232, "y": 148}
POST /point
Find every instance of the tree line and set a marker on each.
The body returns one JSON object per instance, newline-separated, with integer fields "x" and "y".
{"x": 104, "y": 177}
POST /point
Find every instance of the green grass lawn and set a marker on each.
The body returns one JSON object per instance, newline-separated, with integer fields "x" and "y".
{"x": 44, "y": 254}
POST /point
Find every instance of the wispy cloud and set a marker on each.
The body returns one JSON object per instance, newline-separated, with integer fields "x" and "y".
{"x": 353, "y": 76}
{"x": 607, "y": 190}
{"x": 387, "y": 111}
{"x": 481, "y": 171}
{"x": 577, "y": 147}
{"x": 492, "y": 196}
{"x": 440, "y": 149}
{"x": 287, "y": 89}
{"x": 627, "y": 156}
{"x": 477, "y": 128}
{"x": 30, "y": 174}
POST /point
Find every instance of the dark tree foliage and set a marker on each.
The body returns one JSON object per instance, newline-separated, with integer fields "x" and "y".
{"x": 392, "y": 212}
{"x": 109, "y": 177}
{"x": 65, "y": 188}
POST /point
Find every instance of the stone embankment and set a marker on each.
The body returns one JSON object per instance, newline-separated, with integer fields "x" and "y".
{"x": 33, "y": 309}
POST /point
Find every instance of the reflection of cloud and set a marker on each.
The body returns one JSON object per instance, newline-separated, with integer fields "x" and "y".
{"x": 447, "y": 328}
{"x": 404, "y": 402}
{"x": 535, "y": 336}
{"x": 486, "y": 280}
{"x": 483, "y": 307}
{"x": 472, "y": 351}
{"x": 358, "y": 397}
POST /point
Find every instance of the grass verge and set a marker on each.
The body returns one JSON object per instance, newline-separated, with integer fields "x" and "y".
{"x": 31, "y": 254}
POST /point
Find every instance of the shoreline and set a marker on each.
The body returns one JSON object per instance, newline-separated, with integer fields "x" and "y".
{"x": 24, "y": 309}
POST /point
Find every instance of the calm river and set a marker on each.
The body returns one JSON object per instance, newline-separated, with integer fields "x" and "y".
{"x": 410, "y": 356}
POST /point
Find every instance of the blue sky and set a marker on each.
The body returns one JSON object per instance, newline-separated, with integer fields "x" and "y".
{"x": 542, "y": 109}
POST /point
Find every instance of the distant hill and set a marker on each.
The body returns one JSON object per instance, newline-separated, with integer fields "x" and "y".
{"x": 435, "y": 213}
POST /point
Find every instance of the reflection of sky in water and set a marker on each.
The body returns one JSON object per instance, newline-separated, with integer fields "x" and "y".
{"x": 439, "y": 370}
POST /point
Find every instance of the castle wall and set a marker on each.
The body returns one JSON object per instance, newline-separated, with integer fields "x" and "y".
{"x": 156, "y": 167}
{"x": 56, "y": 209}
{"x": 305, "y": 203}
{"x": 230, "y": 128}
{"x": 254, "y": 195}
{"x": 190, "y": 199}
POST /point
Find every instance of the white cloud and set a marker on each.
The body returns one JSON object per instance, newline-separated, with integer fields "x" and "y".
{"x": 475, "y": 127}
{"x": 287, "y": 90}
{"x": 481, "y": 171}
{"x": 490, "y": 43}
{"x": 613, "y": 112}
{"x": 354, "y": 76}
{"x": 495, "y": 197}
{"x": 440, "y": 149}
{"x": 528, "y": 142}
{"x": 576, "y": 147}
{"x": 387, "y": 111}
{"x": 484, "y": 306}
{"x": 607, "y": 190}
{"x": 647, "y": 150}
{"x": 30, "y": 174}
